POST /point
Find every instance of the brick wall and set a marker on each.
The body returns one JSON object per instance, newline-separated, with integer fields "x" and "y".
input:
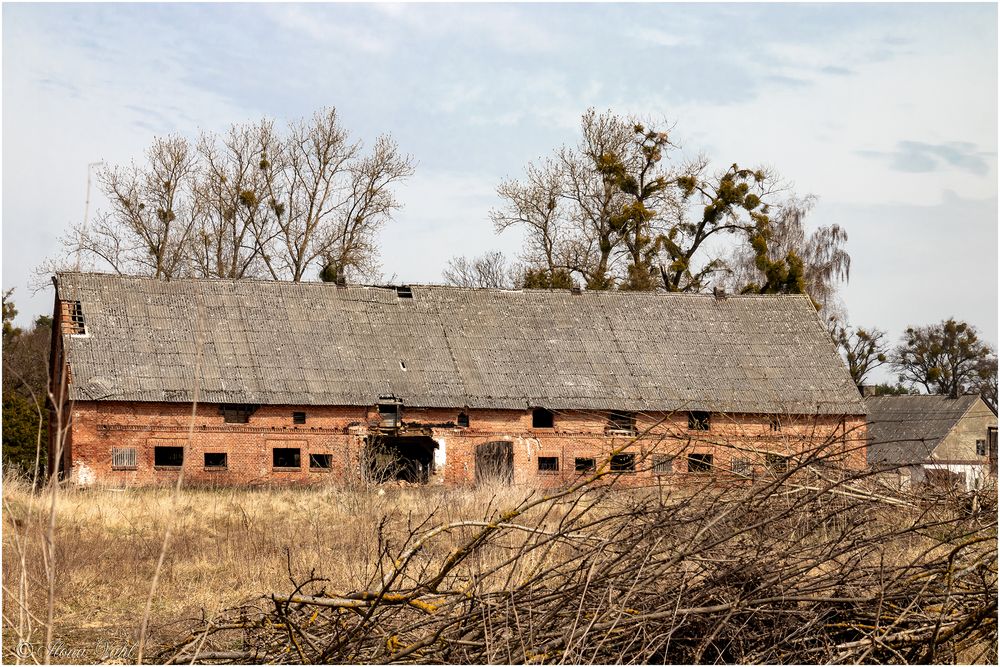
{"x": 340, "y": 432}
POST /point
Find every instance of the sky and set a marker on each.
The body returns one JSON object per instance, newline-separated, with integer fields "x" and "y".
{"x": 886, "y": 113}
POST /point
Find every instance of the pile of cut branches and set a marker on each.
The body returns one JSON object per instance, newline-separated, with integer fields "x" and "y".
{"x": 810, "y": 567}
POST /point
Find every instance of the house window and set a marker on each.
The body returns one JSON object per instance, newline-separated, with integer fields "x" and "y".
{"x": 463, "y": 420}
{"x": 700, "y": 462}
{"x": 584, "y": 465}
{"x": 298, "y": 418}
{"x": 623, "y": 463}
{"x": 215, "y": 460}
{"x": 123, "y": 458}
{"x": 741, "y": 467}
{"x": 776, "y": 462}
{"x": 286, "y": 457}
{"x": 321, "y": 461}
{"x": 168, "y": 457}
{"x": 548, "y": 464}
{"x": 542, "y": 418}
{"x": 236, "y": 413}
{"x": 699, "y": 420}
{"x": 775, "y": 423}
{"x": 621, "y": 422}
{"x": 980, "y": 448}
{"x": 662, "y": 464}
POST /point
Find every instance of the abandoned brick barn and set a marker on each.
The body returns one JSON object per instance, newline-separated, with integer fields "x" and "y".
{"x": 254, "y": 382}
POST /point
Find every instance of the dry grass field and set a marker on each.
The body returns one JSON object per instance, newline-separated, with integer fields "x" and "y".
{"x": 805, "y": 572}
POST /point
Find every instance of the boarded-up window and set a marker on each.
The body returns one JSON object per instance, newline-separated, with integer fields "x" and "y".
{"x": 286, "y": 457}
{"x": 168, "y": 457}
{"x": 215, "y": 460}
{"x": 548, "y": 464}
{"x": 662, "y": 464}
{"x": 700, "y": 462}
{"x": 123, "y": 458}
{"x": 321, "y": 461}
{"x": 623, "y": 463}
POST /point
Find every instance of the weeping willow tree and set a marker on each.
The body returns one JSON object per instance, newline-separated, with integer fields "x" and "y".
{"x": 825, "y": 262}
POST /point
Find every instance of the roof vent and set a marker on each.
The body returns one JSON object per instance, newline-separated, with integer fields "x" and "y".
{"x": 404, "y": 292}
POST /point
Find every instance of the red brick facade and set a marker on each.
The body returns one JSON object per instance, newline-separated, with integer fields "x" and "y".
{"x": 735, "y": 442}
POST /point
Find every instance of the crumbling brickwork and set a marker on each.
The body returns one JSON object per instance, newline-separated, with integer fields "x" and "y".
{"x": 115, "y": 443}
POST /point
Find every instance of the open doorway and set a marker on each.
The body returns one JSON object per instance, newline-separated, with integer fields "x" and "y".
{"x": 495, "y": 462}
{"x": 404, "y": 458}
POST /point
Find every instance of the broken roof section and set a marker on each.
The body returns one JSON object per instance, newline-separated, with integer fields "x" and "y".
{"x": 319, "y": 344}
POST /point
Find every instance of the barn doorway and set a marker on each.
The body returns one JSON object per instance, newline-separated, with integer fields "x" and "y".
{"x": 404, "y": 458}
{"x": 495, "y": 462}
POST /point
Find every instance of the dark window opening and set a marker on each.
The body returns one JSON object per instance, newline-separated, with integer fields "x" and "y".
{"x": 623, "y": 463}
{"x": 390, "y": 412}
{"x": 324, "y": 461}
{"x": 621, "y": 422}
{"x": 463, "y": 419}
{"x": 77, "y": 325}
{"x": 741, "y": 467}
{"x": 215, "y": 460}
{"x": 662, "y": 465}
{"x": 699, "y": 420}
{"x": 542, "y": 418}
{"x": 236, "y": 413}
{"x": 168, "y": 457}
{"x": 298, "y": 418}
{"x": 980, "y": 448}
{"x": 777, "y": 462}
{"x": 404, "y": 292}
{"x": 775, "y": 423}
{"x": 700, "y": 462}
{"x": 585, "y": 465}
{"x": 548, "y": 464}
{"x": 286, "y": 457}
{"x": 408, "y": 458}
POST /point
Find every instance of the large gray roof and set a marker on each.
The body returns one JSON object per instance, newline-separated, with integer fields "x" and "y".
{"x": 316, "y": 343}
{"x": 906, "y": 429}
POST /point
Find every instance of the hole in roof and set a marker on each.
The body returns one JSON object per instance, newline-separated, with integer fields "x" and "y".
{"x": 402, "y": 365}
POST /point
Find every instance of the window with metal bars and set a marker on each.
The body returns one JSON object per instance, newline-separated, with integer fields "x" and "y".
{"x": 123, "y": 458}
{"x": 662, "y": 464}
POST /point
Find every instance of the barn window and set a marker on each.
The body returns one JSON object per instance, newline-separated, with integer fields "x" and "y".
{"x": 621, "y": 422}
{"x": 741, "y": 467}
{"x": 168, "y": 457}
{"x": 585, "y": 465}
{"x": 980, "y": 448}
{"x": 463, "y": 420}
{"x": 76, "y": 324}
{"x": 700, "y": 462}
{"x": 298, "y": 418}
{"x": 404, "y": 292}
{"x": 542, "y": 418}
{"x": 623, "y": 463}
{"x": 235, "y": 413}
{"x": 776, "y": 462}
{"x": 215, "y": 460}
{"x": 286, "y": 457}
{"x": 775, "y": 423}
{"x": 390, "y": 412}
{"x": 548, "y": 464}
{"x": 321, "y": 461}
{"x": 123, "y": 458}
{"x": 699, "y": 420}
{"x": 662, "y": 464}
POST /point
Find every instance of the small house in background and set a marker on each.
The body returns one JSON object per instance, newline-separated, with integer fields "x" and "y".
{"x": 934, "y": 440}
{"x": 258, "y": 382}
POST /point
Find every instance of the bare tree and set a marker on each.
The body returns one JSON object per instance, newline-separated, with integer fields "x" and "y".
{"x": 150, "y": 216}
{"x": 489, "y": 270}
